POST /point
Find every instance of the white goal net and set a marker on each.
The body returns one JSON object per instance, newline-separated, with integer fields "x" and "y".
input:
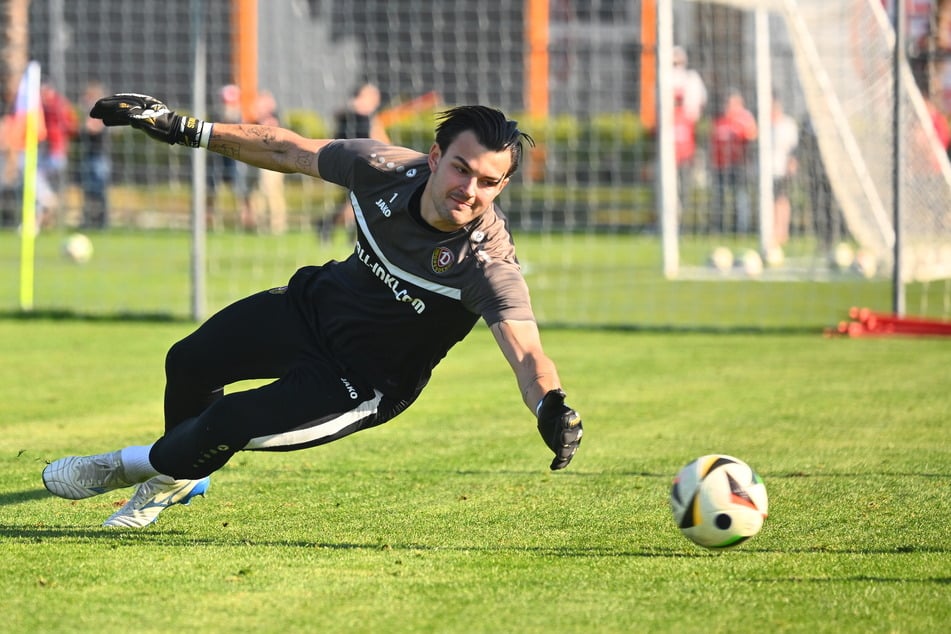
{"x": 844, "y": 57}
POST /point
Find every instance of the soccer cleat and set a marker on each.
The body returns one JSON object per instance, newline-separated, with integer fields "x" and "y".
{"x": 78, "y": 477}
{"x": 154, "y": 496}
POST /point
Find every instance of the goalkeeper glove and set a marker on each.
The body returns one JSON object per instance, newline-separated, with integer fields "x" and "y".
{"x": 560, "y": 427}
{"x": 152, "y": 116}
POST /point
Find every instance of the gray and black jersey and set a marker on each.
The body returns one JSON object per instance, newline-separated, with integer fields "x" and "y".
{"x": 408, "y": 292}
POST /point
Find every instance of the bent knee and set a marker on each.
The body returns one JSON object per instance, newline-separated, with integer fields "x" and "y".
{"x": 184, "y": 360}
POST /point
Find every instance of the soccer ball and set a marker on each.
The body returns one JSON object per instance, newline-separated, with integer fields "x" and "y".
{"x": 844, "y": 255}
{"x": 752, "y": 263}
{"x": 78, "y": 248}
{"x": 721, "y": 258}
{"x": 718, "y": 501}
{"x": 775, "y": 256}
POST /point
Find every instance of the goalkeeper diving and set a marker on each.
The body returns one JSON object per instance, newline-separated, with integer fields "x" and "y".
{"x": 346, "y": 345}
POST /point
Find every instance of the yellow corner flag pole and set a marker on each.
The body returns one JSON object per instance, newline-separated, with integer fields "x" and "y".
{"x": 30, "y": 89}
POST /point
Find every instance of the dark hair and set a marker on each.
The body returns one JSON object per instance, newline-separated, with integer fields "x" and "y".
{"x": 490, "y": 126}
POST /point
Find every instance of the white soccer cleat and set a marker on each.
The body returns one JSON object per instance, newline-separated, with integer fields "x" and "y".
{"x": 154, "y": 496}
{"x": 78, "y": 477}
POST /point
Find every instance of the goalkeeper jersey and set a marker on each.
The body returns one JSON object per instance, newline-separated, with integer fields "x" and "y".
{"x": 408, "y": 292}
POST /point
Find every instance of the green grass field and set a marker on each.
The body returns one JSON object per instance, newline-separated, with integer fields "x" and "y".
{"x": 447, "y": 519}
{"x": 586, "y": 279}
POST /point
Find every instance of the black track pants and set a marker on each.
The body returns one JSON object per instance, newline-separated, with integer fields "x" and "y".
{"x": 310, "y": 402}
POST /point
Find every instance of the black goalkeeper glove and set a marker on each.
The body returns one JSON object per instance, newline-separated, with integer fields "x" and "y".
{"x": 560, "y": 427}
{"x": 152, "y": 116}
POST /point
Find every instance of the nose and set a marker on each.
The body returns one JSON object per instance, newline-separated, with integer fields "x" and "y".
{"x": 470, "y": 187}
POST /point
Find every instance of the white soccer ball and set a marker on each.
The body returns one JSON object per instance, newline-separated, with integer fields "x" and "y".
{"x": 752, "y": 263}
{"x": 844, "y": 255}
{"x": 78, "y": 248}
{"x": 775, "y": 256}
{"x": 718, "y": 501}
{"x": 721, "y": 259}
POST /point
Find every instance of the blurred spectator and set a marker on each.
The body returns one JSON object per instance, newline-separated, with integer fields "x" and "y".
{"x": 9, "y": 174}
{"x": 357, "y": 120}
{"x": 732, "y": 133}
{"x": 224, "y": 169}
{"x": 785, "y": 139}
{"x": 12, "y": 146}
{"x": 270, "y": 185}
{"x": 940, "y": 124}
{"x": 687, "y": 83}
{"x": 95, "y": 168}
{"x": 685, "y": 150}
{"x": 690, "y": 98}
{"x": 61, "y": 127}
{"x": 942, "y": 131}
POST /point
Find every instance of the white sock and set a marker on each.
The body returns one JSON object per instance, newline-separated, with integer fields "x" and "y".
{"x": 135, "y": 462}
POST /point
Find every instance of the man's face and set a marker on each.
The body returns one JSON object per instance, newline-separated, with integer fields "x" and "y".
{"x": 466, "y": 178}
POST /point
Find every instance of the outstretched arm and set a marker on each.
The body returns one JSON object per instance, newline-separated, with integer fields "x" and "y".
{"x": 535, "y": 372}
{"x": 273, "y": 148}
{"x": 559, "y": 425}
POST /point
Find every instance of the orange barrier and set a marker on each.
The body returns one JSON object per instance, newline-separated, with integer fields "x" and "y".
{"x": 868, "y": 323}
{"x": 406, "y": 109}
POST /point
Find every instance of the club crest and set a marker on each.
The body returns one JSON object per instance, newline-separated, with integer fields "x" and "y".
{"x": 442, "y": 260}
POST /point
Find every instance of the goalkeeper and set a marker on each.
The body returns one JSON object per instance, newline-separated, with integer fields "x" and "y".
{"x": 349, "y": 345}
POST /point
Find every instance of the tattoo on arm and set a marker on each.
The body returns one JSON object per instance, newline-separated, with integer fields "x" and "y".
{"x": 265, "y": 133}
{"x": 231, "y": 150}
{"x": 304, "y": 161}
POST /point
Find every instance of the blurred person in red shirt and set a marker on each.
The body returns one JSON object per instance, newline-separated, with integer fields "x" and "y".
{"x": 12, "y": 158}
{"x": 685, "y": 151}
{"x": 732, "y": 133}
{"x": 690, "y": 98}
{"x": 941, "y": 129}
{"x": 62, "y": 125}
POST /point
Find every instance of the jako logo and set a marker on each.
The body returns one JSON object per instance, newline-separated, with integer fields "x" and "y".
{"x": 384, "y": 208}
{"x": 350, "y": 389}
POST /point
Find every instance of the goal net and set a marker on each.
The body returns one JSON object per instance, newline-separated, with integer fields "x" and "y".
{"x": 580, "y": 77}
{"x": 844, "y": 55}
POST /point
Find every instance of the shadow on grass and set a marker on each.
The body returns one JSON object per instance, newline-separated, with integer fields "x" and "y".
{"x": 573, "y": 472}
{"x": 856, "y": 579}
{"x": 156, "y": 536}
{"x": 18, "y": 497}
{"x": 67, "y": 314}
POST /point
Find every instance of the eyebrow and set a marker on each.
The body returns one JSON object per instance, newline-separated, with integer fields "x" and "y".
{"x": 495, "y": 181}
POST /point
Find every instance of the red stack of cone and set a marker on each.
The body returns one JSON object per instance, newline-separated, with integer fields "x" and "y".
{"x": 867, "y": 323}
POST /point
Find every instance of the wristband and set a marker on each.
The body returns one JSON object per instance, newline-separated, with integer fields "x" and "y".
{"x": 193, "y": 132}
{"x": 205, "y": 137}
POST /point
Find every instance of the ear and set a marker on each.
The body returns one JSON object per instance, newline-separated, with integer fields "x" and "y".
{"x": 434, "y": 155}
